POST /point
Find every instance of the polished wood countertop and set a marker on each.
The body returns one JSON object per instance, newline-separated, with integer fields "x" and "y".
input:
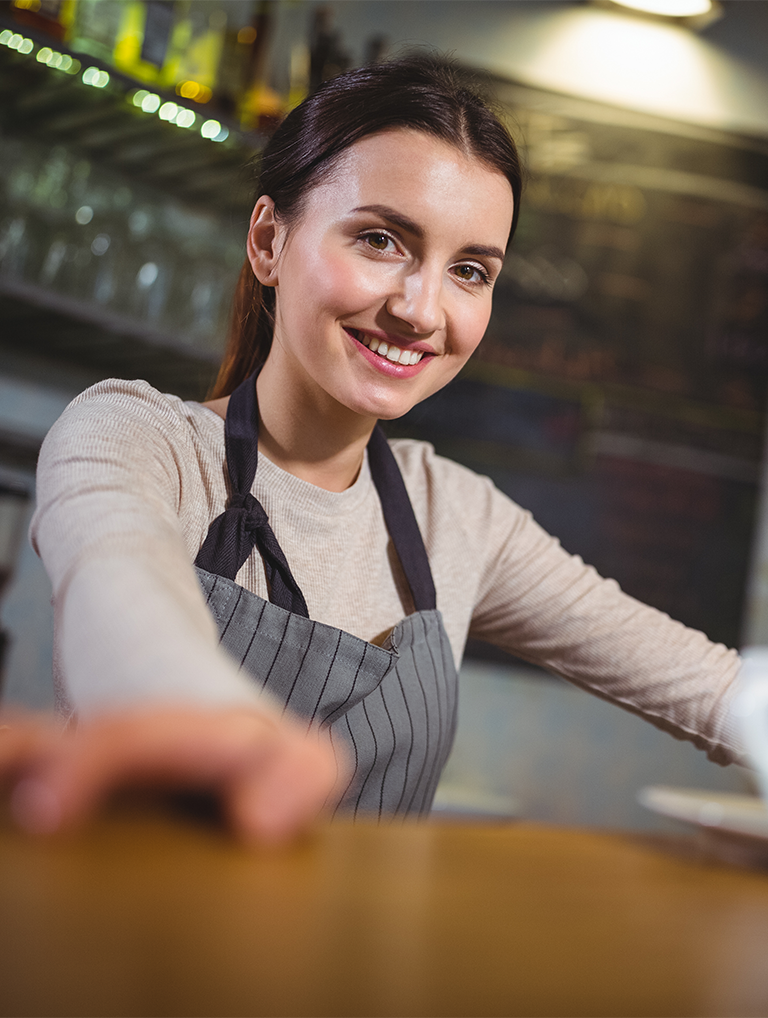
{"x": 149, "y": 915}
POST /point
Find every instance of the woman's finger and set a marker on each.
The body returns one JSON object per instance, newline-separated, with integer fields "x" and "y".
{"x": 270, "y": 803}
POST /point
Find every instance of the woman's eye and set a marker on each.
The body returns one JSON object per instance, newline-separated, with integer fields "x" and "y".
{"x": 471, "y": 274}
{"x": 378, "y": 241}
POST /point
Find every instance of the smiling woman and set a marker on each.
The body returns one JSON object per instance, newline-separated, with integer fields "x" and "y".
{"x": 263, "y": 597}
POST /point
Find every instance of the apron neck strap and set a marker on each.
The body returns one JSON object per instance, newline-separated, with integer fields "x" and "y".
{"x": 401, "y": 521}
{"x": 241, "y": 436}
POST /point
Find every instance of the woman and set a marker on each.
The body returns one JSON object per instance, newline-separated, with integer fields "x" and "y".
{"x": 321, "y": 555}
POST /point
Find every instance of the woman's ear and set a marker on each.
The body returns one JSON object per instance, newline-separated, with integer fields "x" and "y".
{"x": 265, "y": 241}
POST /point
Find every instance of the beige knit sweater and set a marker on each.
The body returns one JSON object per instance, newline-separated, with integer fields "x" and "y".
{"x": 129, "y": 480}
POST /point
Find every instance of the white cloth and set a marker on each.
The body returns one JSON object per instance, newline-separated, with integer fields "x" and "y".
{"x": 129, "y": 480}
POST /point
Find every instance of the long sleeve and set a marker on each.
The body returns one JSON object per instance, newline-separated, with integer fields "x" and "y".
{"x": 524, "y": 593}
{"x": 584, "y": 628}
{"x": 114, "y": 529}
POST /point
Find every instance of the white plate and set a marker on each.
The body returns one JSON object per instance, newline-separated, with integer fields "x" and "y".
{"x": 744, "y": 815}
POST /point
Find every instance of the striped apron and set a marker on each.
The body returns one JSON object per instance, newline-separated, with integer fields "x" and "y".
{"x": 392, "y": 707}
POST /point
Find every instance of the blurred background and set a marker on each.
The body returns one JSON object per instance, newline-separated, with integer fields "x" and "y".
{"x": 619, "y": 394}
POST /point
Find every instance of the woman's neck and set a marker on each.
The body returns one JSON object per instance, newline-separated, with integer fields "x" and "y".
{"x": 319, "y": 444}
{"x": 307, "y": 433}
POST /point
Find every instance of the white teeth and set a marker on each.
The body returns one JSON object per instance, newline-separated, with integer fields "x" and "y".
{"x": 395, "y": 354}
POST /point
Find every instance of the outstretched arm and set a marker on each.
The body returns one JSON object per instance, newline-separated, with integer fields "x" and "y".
{"x": 126, "y": 485}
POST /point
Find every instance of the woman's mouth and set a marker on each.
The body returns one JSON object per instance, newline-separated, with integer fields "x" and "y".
{"x": 386, "y": 350}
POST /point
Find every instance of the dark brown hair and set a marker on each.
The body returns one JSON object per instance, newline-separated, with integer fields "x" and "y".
{"x": 423, "y": 93}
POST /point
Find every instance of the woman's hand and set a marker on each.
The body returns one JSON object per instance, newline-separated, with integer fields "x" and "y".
{"x": 271, "y": 777}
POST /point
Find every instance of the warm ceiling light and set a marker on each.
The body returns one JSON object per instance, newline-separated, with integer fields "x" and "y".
{"x": 669, "y": 8}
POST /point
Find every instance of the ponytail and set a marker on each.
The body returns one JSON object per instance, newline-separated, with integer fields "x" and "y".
{"x": 250, "y": 333}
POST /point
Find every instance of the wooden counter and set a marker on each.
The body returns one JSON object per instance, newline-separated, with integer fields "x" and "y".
{"x": 148, "y": 916}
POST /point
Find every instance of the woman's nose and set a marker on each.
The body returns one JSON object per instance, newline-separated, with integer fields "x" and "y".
{"x": 418, "y": 301}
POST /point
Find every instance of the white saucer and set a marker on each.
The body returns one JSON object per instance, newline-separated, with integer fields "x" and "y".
{"x": 743, "y": 815}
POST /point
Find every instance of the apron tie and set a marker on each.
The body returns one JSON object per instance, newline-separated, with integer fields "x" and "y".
{"x": 244, "y": 524}
{"x": 254, "y": 513}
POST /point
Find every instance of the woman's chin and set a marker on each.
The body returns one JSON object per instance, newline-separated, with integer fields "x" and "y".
{"x": 381, "y": 409}
{"x": 392, "y": 415}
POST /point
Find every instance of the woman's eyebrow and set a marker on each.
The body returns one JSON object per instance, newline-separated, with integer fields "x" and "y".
{"x": 404, "y": 223}
{"x": 481, "y": 251}
{"x": 394, "y": 217}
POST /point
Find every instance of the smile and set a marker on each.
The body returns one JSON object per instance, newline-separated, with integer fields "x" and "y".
{"x": 388, "y": 351}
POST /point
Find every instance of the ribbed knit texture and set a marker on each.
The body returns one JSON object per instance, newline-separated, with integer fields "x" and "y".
{"x": 129, "y": 480}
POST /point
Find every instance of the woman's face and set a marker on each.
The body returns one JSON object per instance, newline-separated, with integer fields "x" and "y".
{"x": 383, "y": 286}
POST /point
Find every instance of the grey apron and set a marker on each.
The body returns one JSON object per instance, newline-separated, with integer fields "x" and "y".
{"x": 392, "y": 707}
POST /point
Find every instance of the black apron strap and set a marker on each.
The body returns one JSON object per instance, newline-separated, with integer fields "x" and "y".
{"x": 244, "y": 524}
{"x": 401, "y": 521}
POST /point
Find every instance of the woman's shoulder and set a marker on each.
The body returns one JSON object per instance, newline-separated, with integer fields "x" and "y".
{"x": 130, "y": 423}
{"x": 420, "y": 464}
{"x": 451, "y": 489}
{"x": 124, "y": 436}
{"x": 136, "y": 397}
{"x": 116, "y": 404}
{"x": 468, "y": 524}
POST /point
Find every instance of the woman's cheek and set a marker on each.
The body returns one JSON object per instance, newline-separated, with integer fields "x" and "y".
{"x": 357, "y": 284}
{"x": 470, "y": 328}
